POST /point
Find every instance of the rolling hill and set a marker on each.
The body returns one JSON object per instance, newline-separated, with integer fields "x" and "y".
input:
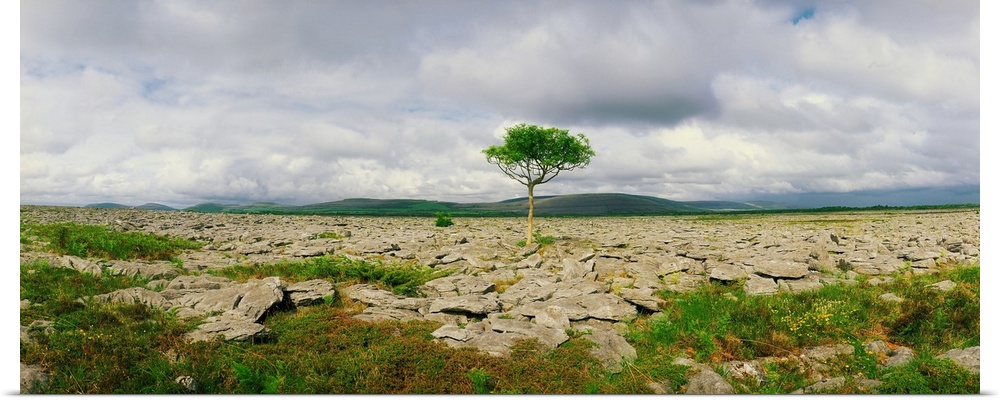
{"x": 602, "y": 204}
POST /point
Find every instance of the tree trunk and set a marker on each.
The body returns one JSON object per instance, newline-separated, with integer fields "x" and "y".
{"x": 531, "y": 213}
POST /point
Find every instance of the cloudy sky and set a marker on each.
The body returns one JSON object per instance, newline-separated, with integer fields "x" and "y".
{"x": 181, "y": 102}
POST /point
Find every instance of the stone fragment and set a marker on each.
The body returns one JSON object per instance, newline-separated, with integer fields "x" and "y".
{"x": 890, "y": 297}
{"x": 757, "y": 285}
{"x": 547, "y": 336}
{"x": 453, "y": 332}
{"x": 643, "y": 297}
{"x": 309, "y": 292}
{"x": 825, "y": 385}
{"x": 612, "y": 349}
{"x": 231, "y": 328}
{"x": 33, "y": 379}
{"x": 706, "y": 381}
{"x": 156, "y": 270}
{"x": 476, "y": 304}
{"x": 724, "y": 271}
{"x": 553, "y": 316}
{"x": 899, "y": 356}
{"x": 79, "y": 264}
{"x": 134, "y": 295}
{"x": 781, "y": 269}
{"x": 965, "y": 357}
{"x": 187, "y": 383}
{"x": 945, "y": 286}
{"x": 745, "y": 370}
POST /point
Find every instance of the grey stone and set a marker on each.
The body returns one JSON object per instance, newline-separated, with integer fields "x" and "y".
{"x": 745, "y": 370}
{"x": 310, "y": 292}
{"x": 724, "y": 271}
{"x": 546, "y": 336}
{"x": 476, "y": 304}
{"x": 79, "y": 264}
{"x": 134, "y": 295}
{"x": 825, "y": 353}
{"x": 757, "y": 285}
{"x": 33, "y": 379}
{"x": 964, "y": 357}
{"x": 155, "y": 270}
{"x": 706, "y": 381}
{"x": 231, "y": 328}
{"x": 825, "y": 385}
{"x": 612, "y": 349}
{"x": 251, "y": 299}
{"x": 946, "y": 285}
{"x": 781, "y": 269}
{"x": 377, "y": 314}
{"x": 807, "y": 283}
{"x": 453, "y": 332}
{"x": 371, "y": 295}
{"x": 643, "y": 297}
{"x": 533, "y": 261}
{"x": 878, "y": 347}
{"x": 899, "y": 356}
{"x": 890, "y": 297}
{"x": 187, "y": 383}
{"x": 553, "y": 316}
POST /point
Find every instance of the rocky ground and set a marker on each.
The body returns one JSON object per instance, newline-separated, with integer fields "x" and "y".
{"x": 598, "y": 273}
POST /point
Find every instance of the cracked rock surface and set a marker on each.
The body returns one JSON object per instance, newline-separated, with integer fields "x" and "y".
{"x": 599, "y": 273}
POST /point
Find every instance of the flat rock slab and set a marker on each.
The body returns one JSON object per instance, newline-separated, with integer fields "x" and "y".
{"x": 476, "y": 304}
{"x": 612, "y": 349}
{"x": 781, "y": 269}
{"x": 229, "y": 327}
{"x": 967, "y": 357}
{"x": 310, "y": 292}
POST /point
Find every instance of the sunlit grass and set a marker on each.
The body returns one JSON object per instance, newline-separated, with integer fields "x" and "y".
{"x": 92, "y": 241}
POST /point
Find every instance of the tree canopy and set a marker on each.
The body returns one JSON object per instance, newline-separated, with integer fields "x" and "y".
{"x": 533, "y": 155}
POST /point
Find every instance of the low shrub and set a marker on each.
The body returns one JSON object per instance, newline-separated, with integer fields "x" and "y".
{"x": 443, "y": 220}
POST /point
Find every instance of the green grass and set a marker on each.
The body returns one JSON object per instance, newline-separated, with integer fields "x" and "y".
{"x": 321, "y": 349}
{"x": 539, "y": 239}
{"x": 401, "y": 278}
{"x": 92, "y": 241}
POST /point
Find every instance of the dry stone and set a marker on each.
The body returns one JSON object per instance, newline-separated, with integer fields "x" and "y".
{"x": 757, "y": 285}
{"x": 230, "y": 327}
{"x": 643, "y": 297}
{"x": 476, "y": 304}
{"x": 134, "y": 295}
{"x": 33, "y": 379}
{"x": 724, "y": 271}
{"x": 612, "y": 349}
{"x": 309, "y": 292}
{"x": 158, "y": 270}
{"x": 967, "y": 357}
{"x": 79, "y": 264}
{"x": 781, "y": 269}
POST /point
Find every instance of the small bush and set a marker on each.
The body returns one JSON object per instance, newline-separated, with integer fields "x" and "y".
{"x": 539, "y": 239}
{"x": 443, "y": 220}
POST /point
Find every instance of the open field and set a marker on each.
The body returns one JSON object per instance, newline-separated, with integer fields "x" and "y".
{"x": 135, "y": 301}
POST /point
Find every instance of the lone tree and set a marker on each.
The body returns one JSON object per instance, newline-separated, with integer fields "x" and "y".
{"x": 534, "y": 155}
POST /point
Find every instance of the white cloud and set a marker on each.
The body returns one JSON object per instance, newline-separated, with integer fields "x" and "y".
{"x": 182, "y": 102}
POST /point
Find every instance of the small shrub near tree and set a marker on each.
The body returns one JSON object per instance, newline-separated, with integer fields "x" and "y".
{"x": 443, "y": 220}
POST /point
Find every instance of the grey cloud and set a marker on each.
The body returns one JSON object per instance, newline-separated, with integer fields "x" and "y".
{"x": 310, "y": 101}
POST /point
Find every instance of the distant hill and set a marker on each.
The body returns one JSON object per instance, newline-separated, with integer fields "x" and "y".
{"x": 148, "y": 206}
{"x": 154, "y": 206}
{"x": 601, "y": 204}
{"x": 107, "y": 205}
